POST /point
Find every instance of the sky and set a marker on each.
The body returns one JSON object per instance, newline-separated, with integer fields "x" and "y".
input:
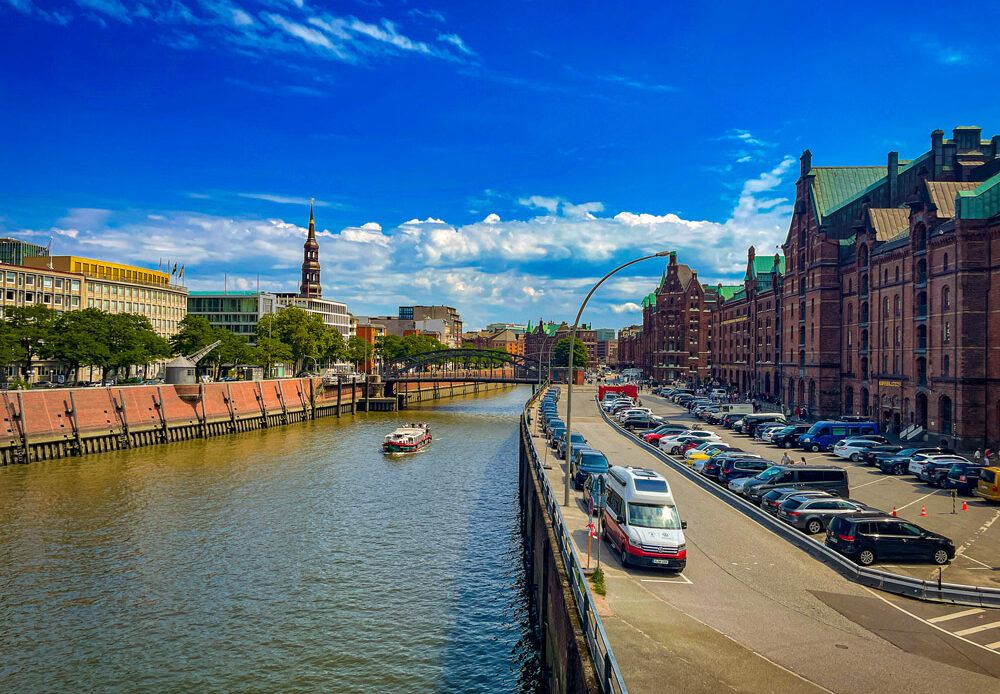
{"x": 496, "y": 157}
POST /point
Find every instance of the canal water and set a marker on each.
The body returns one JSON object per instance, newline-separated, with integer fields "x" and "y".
{"x": 296, "y": 559}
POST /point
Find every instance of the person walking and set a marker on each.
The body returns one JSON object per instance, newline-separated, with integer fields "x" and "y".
{"x": 786, "y": 459}
{"x": 978, "y": 456}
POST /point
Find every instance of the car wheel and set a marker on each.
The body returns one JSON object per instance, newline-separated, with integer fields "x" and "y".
{"x": 814, "y": 526}
{"x": 897, "y": 470}
{"x": 624, "y": 557}
{"x": 814, "y": 448}
{"x": 854, "y": 456}
{"x": 866, "y": 557}
{"x": 940, "y": 556}
{"x": 787, "y": 444}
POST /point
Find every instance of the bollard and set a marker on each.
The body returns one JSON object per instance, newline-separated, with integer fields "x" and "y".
{"x": 954, "y": 500}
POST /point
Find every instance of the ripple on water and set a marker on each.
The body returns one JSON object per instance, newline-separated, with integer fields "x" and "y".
{"x": 297, "y": 559}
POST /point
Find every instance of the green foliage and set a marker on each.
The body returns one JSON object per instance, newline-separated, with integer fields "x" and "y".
{"x": 299, "y": 333}
{"x": 356, "y": 350}
{"x": 30, "y": 327}
{"x": 597, "y": 582}
{"x": 560, "y": 353}
{"x": 80, "y": 339}
{"x": 195, "y": 332}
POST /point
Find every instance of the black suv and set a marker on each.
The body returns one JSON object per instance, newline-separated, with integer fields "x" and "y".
{"x": 870, "y": 456}
{"x": 865, "y": 539}
{"x": 789, "y": 436}
{"x": 641, "y": 420}
{"x": 899, "y": 463}
{"x": 964, "y": 477}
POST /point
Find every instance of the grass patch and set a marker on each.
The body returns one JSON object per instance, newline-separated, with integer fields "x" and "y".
{"x": 597, "y": 582}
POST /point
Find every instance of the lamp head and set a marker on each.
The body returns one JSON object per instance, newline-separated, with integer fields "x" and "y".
{"x": 661, "y": 254}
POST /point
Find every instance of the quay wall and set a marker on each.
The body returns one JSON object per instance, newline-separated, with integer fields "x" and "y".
{"x": 58, "y": 423}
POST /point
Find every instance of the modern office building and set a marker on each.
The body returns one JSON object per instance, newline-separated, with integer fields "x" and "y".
{"x": 14, "y": 251}
{"x": 451, "y": 326}
{"x": 237, "y": 312}
{"x": 119, "y": 288}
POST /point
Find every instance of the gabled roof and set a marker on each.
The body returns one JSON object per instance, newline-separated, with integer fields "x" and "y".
{"x": 729, "y": 291}
{"x": 943, "y": 195}
{"x": 888, "y": 222}
{"x": 764, "y": 265}
{"x": 981, "y": 203}
{"x": 832, "y": 185}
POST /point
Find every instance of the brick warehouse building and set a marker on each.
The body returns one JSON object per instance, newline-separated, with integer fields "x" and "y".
{"x": 886, "y": 306}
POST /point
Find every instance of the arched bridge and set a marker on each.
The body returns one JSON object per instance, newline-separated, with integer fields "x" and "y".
{"x": 465, "y": 364}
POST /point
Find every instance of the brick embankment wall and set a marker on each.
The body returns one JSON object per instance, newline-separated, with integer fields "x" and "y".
{"x": 566, "y": 661}
{"x": 48, "y": 424}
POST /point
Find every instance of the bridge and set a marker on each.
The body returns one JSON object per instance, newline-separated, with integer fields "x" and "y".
{"x": 465, "y": 364}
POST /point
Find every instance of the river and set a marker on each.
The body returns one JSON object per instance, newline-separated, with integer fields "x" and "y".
{"x": 295, "y": 559}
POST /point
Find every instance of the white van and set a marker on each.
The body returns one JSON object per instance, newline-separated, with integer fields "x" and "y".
{"x": 730, "y": 407}
{"x": 641, "y": 521}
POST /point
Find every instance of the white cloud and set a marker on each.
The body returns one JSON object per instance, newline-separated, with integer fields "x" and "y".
{"x": 492, "y": 218}
{"x": 283, "y": 199}
{"x": 241, "y": 18}
{"x": 550, "y": 204}
{"x": 299, "y": 31}
{"x": 628, "y": 306}
{"x": 456, "y": 40}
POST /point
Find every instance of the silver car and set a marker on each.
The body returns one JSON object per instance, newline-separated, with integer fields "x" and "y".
{"x": 737, "y": 484}
{"x": 813, "y": 514}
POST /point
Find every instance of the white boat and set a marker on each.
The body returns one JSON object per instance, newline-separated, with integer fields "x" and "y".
{"x": 407, "y": 439}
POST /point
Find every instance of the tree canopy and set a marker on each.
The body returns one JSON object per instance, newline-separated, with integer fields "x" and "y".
{"x": 560, "y": 353}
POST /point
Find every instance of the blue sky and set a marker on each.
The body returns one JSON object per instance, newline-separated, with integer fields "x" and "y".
{"x": 498, "y": 157}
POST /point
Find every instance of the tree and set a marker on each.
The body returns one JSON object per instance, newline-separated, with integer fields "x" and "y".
{"x": 132, "y": 341}
{"x": 337, "y": 348}
{"x": 560, "y": 353}
{"x": 31, "y": 327}
{"x": 271, "y": 351}
{"x": 304, "y": 334}
{"x": 357, "y": 350}
{"x": 80, "y": 338}
{"x": 233, "y": 351}
{"x": 195, "y": 332}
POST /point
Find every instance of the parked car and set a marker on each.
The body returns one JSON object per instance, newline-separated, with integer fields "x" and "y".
{"x": 576, "y": 439}
{"x": 823, "y": 435}
{"x": 767, "y": 433}
{"x": 868, "y": 456}
{"x": 989, "y": 484}
{"x": 555, "y": 433}
{"x": 735, "y": 468}
{"x": 789, "y": 436}
{"x": 775, "y": 497}
{"x": 853, "y": 448}
{"x": 828, "y": 478}
{"x": 812, "y": 514}
{"x": 866, "y": 539}
{"x": 622, "y": 415}
{"x": 592, "y": 491}
{"x": 707, "y": 450}
{"x": 935, "y": 472}
{"x": 588, "y": 462}
{"x": 899, "y": 463}
{"x": 963, "y": 477}
{"x": 918, "y": 461}
{"x": 674, "y": 444}
{"x": 711, "y": 467}
{"x": 659, "y": 432}
{"x": 641, "y": 420}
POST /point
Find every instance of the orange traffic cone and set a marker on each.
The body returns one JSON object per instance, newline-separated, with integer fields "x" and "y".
{"x": 923, "y": 511}
{"x": 893, "y": 511}
{"x": 965, "y": 505}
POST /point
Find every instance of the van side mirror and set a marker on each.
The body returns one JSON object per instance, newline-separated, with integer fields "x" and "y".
{"x": 684, "y": 525}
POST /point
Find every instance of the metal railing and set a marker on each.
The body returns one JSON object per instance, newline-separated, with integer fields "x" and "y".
{"x": 939, "y": 591}
{"x": 609, "y": 675}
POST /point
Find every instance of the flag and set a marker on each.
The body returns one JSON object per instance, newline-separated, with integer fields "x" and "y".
{"x": 174, "y": 271}
{"x": 159, "y": 265}
{"x": 181, "y": 273}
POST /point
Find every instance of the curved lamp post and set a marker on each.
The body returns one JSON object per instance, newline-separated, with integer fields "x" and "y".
{"x": 572, "y": 345}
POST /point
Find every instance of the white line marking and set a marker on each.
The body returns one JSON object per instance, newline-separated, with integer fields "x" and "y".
{"x": 989, "y": 645}
{"x": 921, "y": 619}
{"x": 916, "y": 501}
{"x": 982, "y": 564}
{"x": 687, "y": 581}
{"x": 975, "y": 536}
{"x": 957, "y": 615}
{"x": 857, "y": 486}
{"x": 976, "y": 630}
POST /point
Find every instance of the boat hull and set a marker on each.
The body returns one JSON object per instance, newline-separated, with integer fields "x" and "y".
{"x": 397, "y": 447}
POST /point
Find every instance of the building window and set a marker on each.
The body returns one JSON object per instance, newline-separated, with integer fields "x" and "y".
{"x": 897, "y": 279}
{"x": 945, "y": 300}
{"x": 945, "y": 365}
{"x": 945, "y": 333}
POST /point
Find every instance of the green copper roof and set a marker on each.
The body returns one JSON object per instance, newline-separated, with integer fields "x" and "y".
{"x": 764, "y": 265}
{"x": 728, "y": 292}
{"x": 649, "y": 301}
{"x": 981, "y": 203}
{"x": 833, "y": 185}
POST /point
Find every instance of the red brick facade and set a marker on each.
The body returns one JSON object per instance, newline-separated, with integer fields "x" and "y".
{"x": 888, "y": 304}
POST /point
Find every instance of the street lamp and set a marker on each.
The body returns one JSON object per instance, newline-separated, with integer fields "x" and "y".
{"x": 572, "y": 345}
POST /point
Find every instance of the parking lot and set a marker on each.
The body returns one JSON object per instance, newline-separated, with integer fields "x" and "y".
{"x": 975, "y": 531}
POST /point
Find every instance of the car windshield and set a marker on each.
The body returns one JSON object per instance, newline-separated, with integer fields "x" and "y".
{"x": 653, "y": 516}
{"x": 769, "y": 473}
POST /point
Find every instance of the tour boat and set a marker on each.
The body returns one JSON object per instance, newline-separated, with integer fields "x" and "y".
{"x": 407, "y": 439}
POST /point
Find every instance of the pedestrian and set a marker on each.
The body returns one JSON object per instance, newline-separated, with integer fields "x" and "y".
{"x": 978, "y": 456}
{"x": 797, "y": 411}
{"x": 786, "y": 459}
{"x": 804, "y": 460}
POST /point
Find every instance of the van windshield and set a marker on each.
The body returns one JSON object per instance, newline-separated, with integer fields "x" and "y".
{"x": 770, "y": 473}
{"x": 653, "y": 516}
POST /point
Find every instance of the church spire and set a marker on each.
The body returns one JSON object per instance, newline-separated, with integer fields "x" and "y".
{"x": 310, "y": 286}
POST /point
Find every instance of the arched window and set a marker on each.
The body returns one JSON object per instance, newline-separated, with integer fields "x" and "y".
{"x": 945, "y": 299}
{"x": 885, "y": 313}
{"x": 863, "y": 256}
{"x": 897, "y": 279}
{"x": 921, "y": 271}
{"x": 945, "y": 414}
{"x": 944, "y": 264}
{"x": 946, "y": 365}
{"x": 897, "y": 306}
{"x": 850, "y": 318}
{"x": 885, "y": 280}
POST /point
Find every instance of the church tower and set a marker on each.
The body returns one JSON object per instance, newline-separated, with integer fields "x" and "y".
{"x": 310, "y": 286}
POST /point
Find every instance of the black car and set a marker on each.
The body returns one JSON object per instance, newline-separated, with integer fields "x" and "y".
{"x": 713, "y": 465}
{"x": 964, "y": 477}
{"x": 899, "y": 463}
{"x": 868, "y": 457}
{"x": 641, "y": 420}
{"x": 789, "y": 436}
{"x": 935, "y": 472}
{"x": 734, "y": 468}
{"x": 866, "y": 539}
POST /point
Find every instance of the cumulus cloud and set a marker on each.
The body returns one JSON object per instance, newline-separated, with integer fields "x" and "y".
{"x": 492, "y": 269}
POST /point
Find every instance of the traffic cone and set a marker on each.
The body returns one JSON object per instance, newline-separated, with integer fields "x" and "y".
{"x": 923, "y": 511}
{"x": 965, "y": 505}
{"x": 894, "y": 512}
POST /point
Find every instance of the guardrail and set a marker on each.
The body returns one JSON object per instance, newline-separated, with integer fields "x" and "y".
{"x": 938, "y": 591}
{"x": 609, "y": 675}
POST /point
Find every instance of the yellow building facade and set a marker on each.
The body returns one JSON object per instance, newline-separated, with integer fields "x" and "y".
{"x": 118, "y": 288}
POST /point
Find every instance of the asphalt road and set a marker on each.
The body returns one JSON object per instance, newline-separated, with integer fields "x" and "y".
{"x": 753, "y": 613}
{"x": 975, "y": 532}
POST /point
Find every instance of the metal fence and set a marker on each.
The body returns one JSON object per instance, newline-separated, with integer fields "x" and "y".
{"x": 609, "y": 675}
{"x": 978, "y": 596}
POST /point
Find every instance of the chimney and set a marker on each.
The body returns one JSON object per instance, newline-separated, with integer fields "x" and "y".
{"x": 937, "y": 147}
{"x": 967, "y": 138}
{"x": 893, "y": 176}
{"x": 673, "y": 258}
{"x": 805, "y": 162}
{"x": 751, "y": 252}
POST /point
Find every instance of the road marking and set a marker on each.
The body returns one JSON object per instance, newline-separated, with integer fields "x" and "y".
{"x": 917, "y": 501}
{"x": 989, "y": 645}
{"x": 687, "y": 581}
{"x": 982, "y": 564}
{"x": 976, "y": 630}
{"x": 975, "y": 536}
{"x": 921, "y": 619}
{"x": 859, "y": 486}
{"x": 957, "y": 615}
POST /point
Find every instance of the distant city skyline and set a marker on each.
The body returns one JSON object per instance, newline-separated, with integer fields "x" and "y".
{"x": 498, "y": 159}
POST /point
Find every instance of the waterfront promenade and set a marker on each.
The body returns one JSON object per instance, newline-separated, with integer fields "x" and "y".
{"x": 753, "y": 613}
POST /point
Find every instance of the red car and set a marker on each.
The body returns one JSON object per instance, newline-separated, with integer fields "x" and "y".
{"x": 655, "y": 435}
{"x": 690, "y": 444}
